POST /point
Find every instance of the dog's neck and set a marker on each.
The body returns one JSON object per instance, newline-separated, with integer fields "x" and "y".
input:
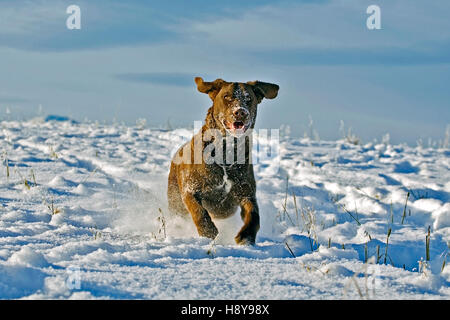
{"x": 210, "y": 121}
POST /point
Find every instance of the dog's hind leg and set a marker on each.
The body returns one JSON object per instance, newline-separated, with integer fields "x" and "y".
{"x": 175, "y": 202}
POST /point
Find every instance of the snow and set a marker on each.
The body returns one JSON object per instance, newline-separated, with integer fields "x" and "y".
{"x": 27, "y": 257}
{"x": 83, "y": 215}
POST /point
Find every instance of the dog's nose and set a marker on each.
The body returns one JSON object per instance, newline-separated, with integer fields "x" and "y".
{"x": 240, "y": 113}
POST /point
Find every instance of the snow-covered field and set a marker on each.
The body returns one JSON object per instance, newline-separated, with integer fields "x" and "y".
{"x": 83, "y": 215}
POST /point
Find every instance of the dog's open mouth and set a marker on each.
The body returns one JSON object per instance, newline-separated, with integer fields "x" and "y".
{"x": 236, "y": 127}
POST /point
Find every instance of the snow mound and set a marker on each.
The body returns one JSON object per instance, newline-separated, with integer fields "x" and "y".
{"x": 335, "y": 217}
{"x": 28, "y": 257}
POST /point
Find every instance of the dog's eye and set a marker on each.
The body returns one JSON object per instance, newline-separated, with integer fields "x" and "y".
{"x": 227, "y": 97}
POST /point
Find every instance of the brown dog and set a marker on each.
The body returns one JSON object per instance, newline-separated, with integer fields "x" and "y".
{"x": 211, "y": 175}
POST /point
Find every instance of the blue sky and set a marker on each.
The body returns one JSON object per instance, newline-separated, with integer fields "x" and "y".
{"x": 137, "y": 59}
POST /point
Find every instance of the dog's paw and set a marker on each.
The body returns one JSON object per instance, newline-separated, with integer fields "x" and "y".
{"x": 245, "y": 241}
{"x": 210, "y": 232}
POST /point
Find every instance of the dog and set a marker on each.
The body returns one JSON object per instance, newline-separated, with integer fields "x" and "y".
{"x": 206, "y": 182}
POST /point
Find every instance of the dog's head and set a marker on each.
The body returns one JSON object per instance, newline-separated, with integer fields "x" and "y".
{"x": 235, "y": 103}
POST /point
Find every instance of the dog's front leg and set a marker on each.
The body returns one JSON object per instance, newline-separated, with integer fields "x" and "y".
{"x": 202, "y": 220}
{"x": 250, "y": 216}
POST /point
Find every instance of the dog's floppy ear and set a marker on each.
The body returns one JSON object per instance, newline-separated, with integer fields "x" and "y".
{"x": 211, "y": 88}
{"x": 264, "y": 90}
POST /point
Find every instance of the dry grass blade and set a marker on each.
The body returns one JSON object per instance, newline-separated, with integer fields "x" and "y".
{"x": 366, "y": 252}
{"x": 349, "y": 213}
{"x": 404, "y": 209}
{"x": 286, "y": 214}
{"x": 289, "y": 248}
{"x": 387, "y": 245}
{"x": 444, "y": 262}
{"x": 34, "y": 177}
{"x": 427, "y": 244}
{"x": 162, "y": 220}
{"x": 296, "y": 208}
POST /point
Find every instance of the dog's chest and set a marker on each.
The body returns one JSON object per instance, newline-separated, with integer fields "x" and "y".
{"x": 229, "y": 184}
{"x": 219, "y": 196}
{"x": 226, "y": 184}
{"x": 224, "y": 178}
{"x": 225, "y": 190}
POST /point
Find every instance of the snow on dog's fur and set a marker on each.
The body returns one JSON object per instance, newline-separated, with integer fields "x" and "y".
{"x": 215, "y": 189}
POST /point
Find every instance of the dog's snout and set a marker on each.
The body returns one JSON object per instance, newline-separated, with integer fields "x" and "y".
{"x": 240, "y": 113}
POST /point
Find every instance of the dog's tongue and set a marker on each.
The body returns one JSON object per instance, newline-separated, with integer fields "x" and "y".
{"x": 238, "y": 125}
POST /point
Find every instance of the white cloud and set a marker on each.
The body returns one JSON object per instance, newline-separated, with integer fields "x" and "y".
{"x": 17, "y": 18}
